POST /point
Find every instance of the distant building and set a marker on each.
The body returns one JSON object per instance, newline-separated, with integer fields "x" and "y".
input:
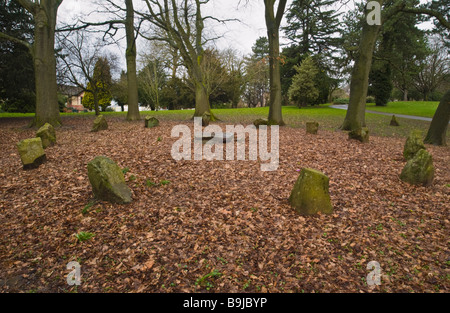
{"x": 74, "y": 97}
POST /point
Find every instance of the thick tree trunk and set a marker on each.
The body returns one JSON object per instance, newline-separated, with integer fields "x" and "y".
{"x": 133, "y": 101}
{"x": 47, "y": 108}
{"x": 438, "y": 128}
{"x": 273, "y": 25}
{"x": 355, "y": 117}
{"x": 201, "y": 100}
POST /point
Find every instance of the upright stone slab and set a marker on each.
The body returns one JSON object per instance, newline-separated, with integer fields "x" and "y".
{"x": 31, "y": 152}
{"x": 310, "y": 194}
{"x": 413, "y": 144}
{"x": 47, "y": 135}
{"x": 394, "y": 121}
{"x": 419, "y": 170}
{"x": 206, "y": 118}
{"x": 99, "y": 124}
{"x": 107, "y": 180}
{"x": 361, "y": 134}
{"x": 151, "y": 122}
{"x": 312, "y": 127}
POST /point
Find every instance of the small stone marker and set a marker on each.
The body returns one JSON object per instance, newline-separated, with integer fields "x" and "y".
{"x": 419, "y": 170}
{"x": 151, "y": 122}
{"x": 99, "y": 124}
{"x": 31, "y": 152}
{"x": 310, "y": 194}
{"x": 394, "y": 121}
{"x": 361, "y": 134}
{"x": 107, "y": 180}
{"x": 47, "y": 134}
{"x": 413, "y": 144}
{"x": 260, "y": 121}
{"x": 312, "y": 127}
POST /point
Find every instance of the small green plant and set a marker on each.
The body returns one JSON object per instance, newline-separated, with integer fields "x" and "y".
{"x": 84, "y": 236}
{"x": 125, "y": 170}
{"x": 165, "y": 182}
{"x": 254, "y": 210}
{"x": 159, "y": 139}
{"x": 205, "y": 281}
{"x": 149, "y": 183}
{"x": 88, "y": 206}
{"x": 133, "y": 178}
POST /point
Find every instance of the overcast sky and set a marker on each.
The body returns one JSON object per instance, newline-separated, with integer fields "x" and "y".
{"x": 237, "y": 35}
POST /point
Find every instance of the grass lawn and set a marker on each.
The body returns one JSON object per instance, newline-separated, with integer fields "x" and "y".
{"x": 416, "y": 108}
{"x": 328, "y": 118}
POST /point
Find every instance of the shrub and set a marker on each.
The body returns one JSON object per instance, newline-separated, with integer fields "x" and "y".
{"x": 341, "y": 101}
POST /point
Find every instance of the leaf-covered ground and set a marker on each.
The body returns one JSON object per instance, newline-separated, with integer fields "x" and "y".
{"x": 219, "y": 226}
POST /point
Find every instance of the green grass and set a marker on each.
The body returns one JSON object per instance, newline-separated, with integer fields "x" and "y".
{"x": 416, "y": 108}
{"x": 328, "y": 118}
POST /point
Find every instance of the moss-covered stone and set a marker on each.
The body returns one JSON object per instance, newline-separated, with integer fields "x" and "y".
{"x": 419, "y": 170}
{"x": 31, "y": 152}
{"x": 99, "y": 124}
{"x": 361, "y": 134}
{"x": 151, "y": 122}
{"x": 107, "y": 180}
{"x": 260, "y": 121}
{"x": 413, "y": 144}
{"x": 47, "y": 135}
{"x": 206, "y": 118}
{"x": 394, "y": 121}
{"x": 312, "y": 127}
{"x": 310, "y": 194}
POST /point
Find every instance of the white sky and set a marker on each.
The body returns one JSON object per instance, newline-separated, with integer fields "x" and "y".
{"x": 237, "y": 35}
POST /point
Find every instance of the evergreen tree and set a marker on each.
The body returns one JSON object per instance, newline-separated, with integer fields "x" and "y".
{"x": 17, "y": 84}
{"x": 303, "y": 90}
{"x": 98, "y": 93}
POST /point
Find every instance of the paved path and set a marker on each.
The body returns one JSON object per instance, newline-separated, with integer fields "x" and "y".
{"x": 411, "y": 117}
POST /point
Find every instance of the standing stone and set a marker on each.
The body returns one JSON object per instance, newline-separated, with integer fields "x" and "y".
{"x": 361, "y": 134}
{"x": 151, "y": 122}
{"x": 47, "y": 134}
{"x": 312, "y": 127}
{"x": 310, "y": 194}
{"x": 107, "y": 180}
{"x": 99, "y": 124}
{"x": 419, "y": 170}
{"x": 206, "y": 118}
{"x": 413, "y": 144}
{"x": 260, "y": 121}
{"x": 394, "y": 121}
{"x": 31, "y": 152}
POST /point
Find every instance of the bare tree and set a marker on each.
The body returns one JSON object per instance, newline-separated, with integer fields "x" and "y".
{"x": 43, "y": 51}
{"x": 83, "y": 65}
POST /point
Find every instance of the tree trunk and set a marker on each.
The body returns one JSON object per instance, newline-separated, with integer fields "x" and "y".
{"x": 201, "y": 100}
{"x": 355, "y": 117}
{"x": 438, "y": 128}
{"x": 47, "y": 108}
{"x": 405, "y": 95}
{"x": 96, "y": 106}
{"x": 273, "y": 25}
{"x": 133, "y": 101}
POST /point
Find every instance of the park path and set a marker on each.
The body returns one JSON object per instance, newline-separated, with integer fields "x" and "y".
{"x": 412, "y": 117}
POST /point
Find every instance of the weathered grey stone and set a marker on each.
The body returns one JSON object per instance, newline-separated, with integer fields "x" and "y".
{"x": 312, "y": 127}
{"x": 419, "y": 170}
{"x": 413, "y": 144}
{"x": 394, "y": 121}
{"x": 260, "y": 121}
{"x": 107, "y": 180}
{"x": 31, "y": 152}
{"x": 361, "y": 134}
{"x": 47, "y": 134}
{"x": 151, "y": 122}
{"x": 310, "y": 194}
{"x": 206, "y": 118}
{"x": 99, "y": 124}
